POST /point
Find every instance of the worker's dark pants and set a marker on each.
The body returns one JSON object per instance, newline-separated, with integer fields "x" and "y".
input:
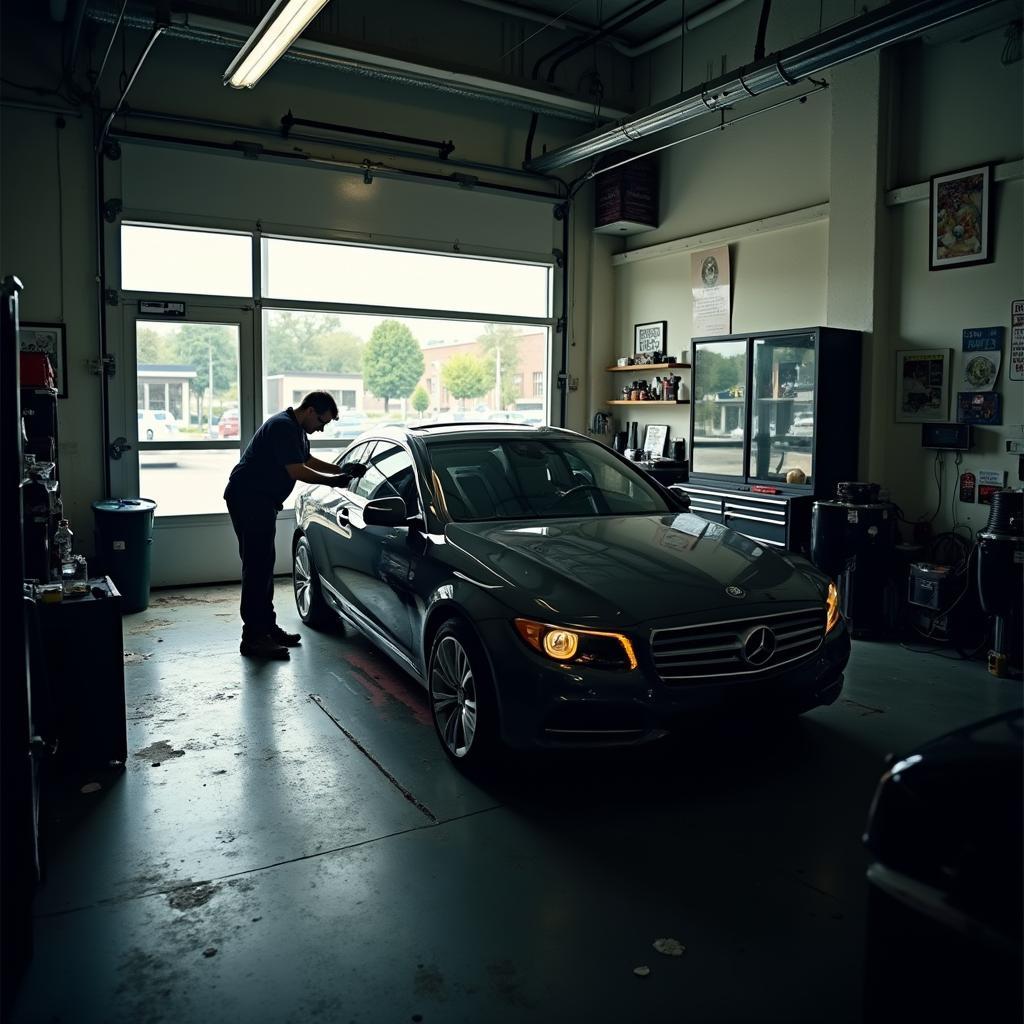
{"x": 255, "y": 523}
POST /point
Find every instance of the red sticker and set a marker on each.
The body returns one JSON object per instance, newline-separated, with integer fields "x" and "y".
{"x": 967, "y": 485}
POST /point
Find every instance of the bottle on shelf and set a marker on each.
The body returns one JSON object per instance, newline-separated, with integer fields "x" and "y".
{"x": 63, "y": 539}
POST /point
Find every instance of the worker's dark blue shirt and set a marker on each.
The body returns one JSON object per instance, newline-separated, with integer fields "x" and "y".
{"x": 261, "y": 472}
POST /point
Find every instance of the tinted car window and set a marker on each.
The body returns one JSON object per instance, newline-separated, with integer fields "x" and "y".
{"x": 524, "y": 479}
{"x": 390, "y": 474}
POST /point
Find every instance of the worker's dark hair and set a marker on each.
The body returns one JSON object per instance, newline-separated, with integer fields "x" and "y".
{"x": 321, "y": 401}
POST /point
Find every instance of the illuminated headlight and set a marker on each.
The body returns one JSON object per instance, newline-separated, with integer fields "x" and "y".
{"x": 832, "y": 603}
{"x": 578, "y": 646}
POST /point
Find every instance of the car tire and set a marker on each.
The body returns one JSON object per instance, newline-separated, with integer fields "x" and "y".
{"x": 309, "y": 598}
{"x": 463, "y": 705}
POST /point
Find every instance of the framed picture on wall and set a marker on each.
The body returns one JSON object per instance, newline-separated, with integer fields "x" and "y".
{"x": 922, "y": 385}
{"x": 49, "y": 339}
{"x": 960, "y": 225}
{"x": 650, "y": 339}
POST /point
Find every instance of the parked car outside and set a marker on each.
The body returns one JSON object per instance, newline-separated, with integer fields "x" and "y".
{"x": 156, "y": 425}
{"x": 548, "y": 594}
{"x": 227, "y": 425}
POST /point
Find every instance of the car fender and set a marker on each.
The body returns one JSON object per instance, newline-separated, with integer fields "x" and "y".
{"x": 466, "y": 600}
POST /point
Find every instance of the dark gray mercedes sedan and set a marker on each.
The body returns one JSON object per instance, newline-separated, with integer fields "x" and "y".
{"x": 549, "y": 594}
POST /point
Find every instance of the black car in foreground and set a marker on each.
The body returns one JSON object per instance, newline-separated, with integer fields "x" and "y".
{"x": 549, "y": 594}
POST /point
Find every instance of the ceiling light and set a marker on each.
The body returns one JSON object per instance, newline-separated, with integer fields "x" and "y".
{"x": 283, "y": 23}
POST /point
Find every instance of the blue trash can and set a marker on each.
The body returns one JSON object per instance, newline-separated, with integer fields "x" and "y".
{"x": 124, "y": 535}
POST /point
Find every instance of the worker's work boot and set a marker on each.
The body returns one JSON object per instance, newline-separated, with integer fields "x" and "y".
{"x": 278, "y": 635}
{"x": 263, "y": 647}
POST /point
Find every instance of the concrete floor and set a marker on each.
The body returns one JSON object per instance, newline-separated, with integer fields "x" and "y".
{"x": 289, "y": 843}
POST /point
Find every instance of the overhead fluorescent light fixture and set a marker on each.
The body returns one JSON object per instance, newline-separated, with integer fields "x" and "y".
{"x": 283, "y": 23}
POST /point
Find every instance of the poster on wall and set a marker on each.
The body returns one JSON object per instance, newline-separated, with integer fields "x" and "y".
{"x": 1016, "y": 369}
{"x": 982, "y": 407}
{"x": 961, "y": 218}
{"x": 710, "y": 286}
{"x": 922, "y": 385}
{"x": 50, "y": 340}
{"x": 983, "y": 353}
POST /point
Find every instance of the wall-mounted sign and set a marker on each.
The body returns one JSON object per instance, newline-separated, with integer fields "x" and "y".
{"x": 710, "y": 286}
{"x": 983, "y": 352}
{"x": 1016, "y": 370}
{"x": 967, "y": 486}
{"x": 152, "y": 307}
{"x": 982, "y": 407}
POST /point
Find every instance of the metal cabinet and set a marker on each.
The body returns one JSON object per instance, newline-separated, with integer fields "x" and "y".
{"x": 774, "y": 423}
{"x": 779, "y": 520}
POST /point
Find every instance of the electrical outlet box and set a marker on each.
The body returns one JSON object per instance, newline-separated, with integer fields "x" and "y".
{"x": 1015, "y": 447}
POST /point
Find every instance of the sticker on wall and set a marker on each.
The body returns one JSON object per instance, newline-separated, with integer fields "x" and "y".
{"x": 967, "y": 487}
{"x": 1016, "y": 369}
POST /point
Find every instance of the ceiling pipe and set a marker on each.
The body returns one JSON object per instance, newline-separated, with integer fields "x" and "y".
{"x": 852, "y": 39}
{"x": 563, "y": 22}
{"x": 199, "y": 28}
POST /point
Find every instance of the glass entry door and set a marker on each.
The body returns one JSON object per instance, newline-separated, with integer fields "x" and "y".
{"x": 184, "y": 407}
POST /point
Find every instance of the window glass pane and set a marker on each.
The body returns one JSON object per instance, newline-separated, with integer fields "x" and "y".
{"x": 333, "y": 272}
{"x": 719, "y": 417}
{"x": 782, "y": 408}
{"x": 186, "y": 482}
{"x": 174, "y": 363}
{"x": 403, "y": 369}
{"x": 159, "y": 259}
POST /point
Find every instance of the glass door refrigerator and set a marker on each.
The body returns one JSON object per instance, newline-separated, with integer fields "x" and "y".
{"x": 774, "y": 422}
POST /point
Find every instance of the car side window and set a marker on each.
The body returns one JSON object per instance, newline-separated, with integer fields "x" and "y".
{"x": 357, "y": 453}
{"x": 389, "y": 473}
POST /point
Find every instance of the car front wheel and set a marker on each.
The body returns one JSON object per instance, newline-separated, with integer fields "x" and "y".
{"x": 309, "y": 598}
{"x": 462, "y": 701}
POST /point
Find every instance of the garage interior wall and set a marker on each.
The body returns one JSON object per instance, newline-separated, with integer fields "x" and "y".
{"x": 808, "y": 181}
{"x": 800, "y": 195}
{"x": 41, "y": 195}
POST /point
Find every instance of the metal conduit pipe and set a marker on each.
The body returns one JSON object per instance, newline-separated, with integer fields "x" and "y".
{"x": 363, "y": 147}
{"x": 364, "y": 168}
{"x": 563, "y": 22}
{"x": 854, "y": 38}
{"x": 201, "y": 29}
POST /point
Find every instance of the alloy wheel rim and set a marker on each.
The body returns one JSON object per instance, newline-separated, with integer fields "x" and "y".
{"x": 453, "y": 696}
{"x": 303, "y": 580}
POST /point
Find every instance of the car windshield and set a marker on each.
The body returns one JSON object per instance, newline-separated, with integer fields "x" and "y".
{"x": 498, "y": 478}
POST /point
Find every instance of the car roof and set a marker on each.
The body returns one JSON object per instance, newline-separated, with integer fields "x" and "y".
{"x": 485, "y": 430}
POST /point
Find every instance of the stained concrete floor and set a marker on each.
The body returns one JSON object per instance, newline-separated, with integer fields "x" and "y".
{"x": 288, "y": 843}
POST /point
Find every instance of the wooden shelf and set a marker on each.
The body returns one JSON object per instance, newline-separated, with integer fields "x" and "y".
{"x": 649, "y": 366}
{"x": 645, "y": 402}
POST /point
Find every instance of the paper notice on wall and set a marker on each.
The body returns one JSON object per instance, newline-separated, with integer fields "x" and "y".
{"x": 712, "y": 292}
{"x": 1016, "y": 368}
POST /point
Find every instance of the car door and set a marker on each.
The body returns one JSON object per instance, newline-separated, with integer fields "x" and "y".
{"x": 326, "y": 524}
{"x": 376, "y": 567}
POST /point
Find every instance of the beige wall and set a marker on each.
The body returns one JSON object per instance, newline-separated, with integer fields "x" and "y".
{"x": 888, "y": 121}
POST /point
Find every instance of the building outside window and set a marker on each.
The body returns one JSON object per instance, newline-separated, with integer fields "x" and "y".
{"x": 517, "y": 384}
{"x": 538, "y": 384}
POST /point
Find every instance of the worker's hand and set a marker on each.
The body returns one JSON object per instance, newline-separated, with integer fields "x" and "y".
{"x": 353, "y": 469}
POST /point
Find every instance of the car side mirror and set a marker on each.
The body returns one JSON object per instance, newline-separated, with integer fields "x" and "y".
{"x": 385, "y": 512}
{"x": 681, "y": 498}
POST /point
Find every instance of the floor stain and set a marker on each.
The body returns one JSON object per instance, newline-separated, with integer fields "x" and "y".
{"x": 193, "y": 896}
{"x": 135, "y": 658}
{"x": 429, "y": 981}
{"x": 507, "y": 985}
{"x": 159, "y": 752}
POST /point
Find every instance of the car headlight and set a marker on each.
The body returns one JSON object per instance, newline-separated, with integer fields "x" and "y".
{"x": 578, "y": 646}
{"x": 832, "y": 603}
